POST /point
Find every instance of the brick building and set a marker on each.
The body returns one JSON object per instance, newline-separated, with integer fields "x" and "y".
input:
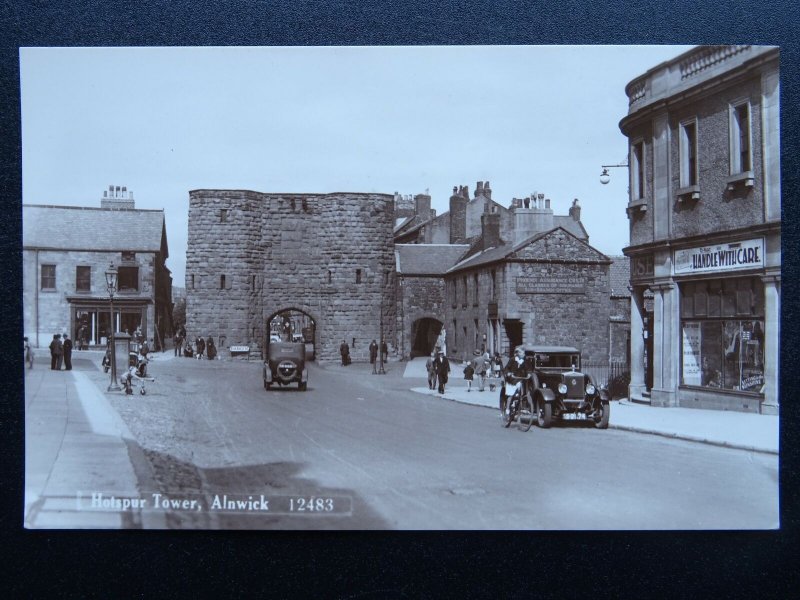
{"x": 65, "y": 253}
{"x": 705, "y": 229}
{"x": 322, "y": 261}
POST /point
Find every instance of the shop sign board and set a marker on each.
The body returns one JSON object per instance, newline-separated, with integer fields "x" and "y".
{"x": 691, "y": 354}
{"x": 547, "y": 284}
{"x": 718, "y": 258}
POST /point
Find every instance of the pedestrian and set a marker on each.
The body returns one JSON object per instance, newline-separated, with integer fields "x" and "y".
{"x": 373, "y": 355}
{"x": 56, "y": 351}
{"x": 429, "y": 366}
{"x": 344, "y": 350}
{"x": 27, "y": 353}
{"x": 384, "y": 352}
{"x": 178, "y": 343}
{"x": 442, "y": 370}
{"x": 144, "y": 349}
{"x": 201, "y": 347}
{"x": 481, "y": 368}
{"x": 469, "y": 372}
{"x": 211, "y": 349}
{"x": 67, "y": 351}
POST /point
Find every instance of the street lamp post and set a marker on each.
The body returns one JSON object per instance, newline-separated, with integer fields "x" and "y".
{"x": 111, "y": 285}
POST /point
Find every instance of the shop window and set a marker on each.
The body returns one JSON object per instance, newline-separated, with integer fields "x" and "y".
{"x": 741, "y": 159}
{"x": 83, "y": 279}
{"x": 48, "y": 277}
{"x": 719, "y": 352}
{"x": 128, "y": 279}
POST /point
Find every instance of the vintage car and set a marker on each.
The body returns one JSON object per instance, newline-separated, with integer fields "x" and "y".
{"x": 285, "y": 363}
{"x": 560, "y": 390}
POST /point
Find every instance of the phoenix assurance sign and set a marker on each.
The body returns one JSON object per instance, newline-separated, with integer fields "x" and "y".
{"x": 746, "y": 254}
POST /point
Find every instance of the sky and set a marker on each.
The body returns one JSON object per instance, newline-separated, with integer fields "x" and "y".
{"x": 164, "y": 121}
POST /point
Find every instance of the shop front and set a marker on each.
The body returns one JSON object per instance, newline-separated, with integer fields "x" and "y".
{"x": 90, "y": 319}
{"x": 722, "y": 305}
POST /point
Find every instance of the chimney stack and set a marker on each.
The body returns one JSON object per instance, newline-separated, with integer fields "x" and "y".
{"x": 490, "y": 230}
{"x": 458, "y": 215}
{"x": 422, "y": 206}
{"x": 575, "y": 210}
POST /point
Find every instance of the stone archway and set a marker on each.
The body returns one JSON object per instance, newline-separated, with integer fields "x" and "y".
{"x": 424, "y": 333}
{"x": 293, "y": 324}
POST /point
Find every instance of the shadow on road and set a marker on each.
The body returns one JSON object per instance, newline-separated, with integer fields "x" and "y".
{"x": 278, "y": 482}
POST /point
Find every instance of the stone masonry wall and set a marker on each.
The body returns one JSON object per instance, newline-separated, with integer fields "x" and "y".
{"x": 54, "y": 309}
{"x": 423, "y": 297}
{"x": 291, "y": 251}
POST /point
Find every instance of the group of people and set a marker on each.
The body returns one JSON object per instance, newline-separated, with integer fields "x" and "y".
{"x": 199, "y": 349}
{"x": 373, "y": 354}
{"x": 483, "y": 365}
{"x": 60, "y": 352}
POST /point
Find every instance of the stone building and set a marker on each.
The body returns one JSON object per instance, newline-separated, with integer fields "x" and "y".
{"x": 502, "y": 277}
{"x": 66, "y": 251}
{"x": 253, "y": 257}
{"x": 705, "y": 229}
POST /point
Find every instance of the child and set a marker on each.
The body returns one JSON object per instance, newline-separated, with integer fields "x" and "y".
{"x": 469, "y": 371}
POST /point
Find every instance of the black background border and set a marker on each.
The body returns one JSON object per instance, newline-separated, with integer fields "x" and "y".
{"x": 389, "y": 564}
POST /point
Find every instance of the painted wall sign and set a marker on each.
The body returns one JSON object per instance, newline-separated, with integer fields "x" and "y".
{"x": 546, "y": 284}
{"x": 747, "y": 254}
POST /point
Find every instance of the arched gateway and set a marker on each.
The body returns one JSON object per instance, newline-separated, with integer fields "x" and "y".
{"x": 424, "y": 333}
{"x": 292, "y": 325}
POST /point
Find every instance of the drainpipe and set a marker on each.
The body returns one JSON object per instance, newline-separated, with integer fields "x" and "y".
{"x": 36, "y": 289}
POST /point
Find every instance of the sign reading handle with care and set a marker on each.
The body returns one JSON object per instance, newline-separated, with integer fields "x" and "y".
{"x": 747, "y": 254}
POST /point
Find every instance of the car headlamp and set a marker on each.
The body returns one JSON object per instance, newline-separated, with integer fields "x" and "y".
{"x": 590, "y": 389}
{"x": 562, "y": 388}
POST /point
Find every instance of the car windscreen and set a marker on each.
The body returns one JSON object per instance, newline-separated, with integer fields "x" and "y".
{"x": 557, "y": 361}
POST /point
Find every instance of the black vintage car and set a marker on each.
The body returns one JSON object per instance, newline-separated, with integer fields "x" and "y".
{"x": 286, "y": 363}
{"x": 560, "y": 390}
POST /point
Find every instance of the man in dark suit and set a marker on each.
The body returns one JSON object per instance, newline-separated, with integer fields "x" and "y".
{"x": 442, "y": 370}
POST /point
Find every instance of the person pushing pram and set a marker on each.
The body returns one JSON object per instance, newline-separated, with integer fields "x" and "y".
{"x": 136, "y": 373}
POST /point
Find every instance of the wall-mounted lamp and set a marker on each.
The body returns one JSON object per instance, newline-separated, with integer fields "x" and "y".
{"x": 605, "y": 177}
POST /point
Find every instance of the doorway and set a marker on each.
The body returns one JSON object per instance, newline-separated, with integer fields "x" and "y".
{"x": 424, "y": 333}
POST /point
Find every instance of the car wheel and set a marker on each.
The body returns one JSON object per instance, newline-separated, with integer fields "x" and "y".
{"x": 544, "y": 414}
{"x": 505, "y": 412}
{"x": 526, "y": 414}
{"x": 601, "y": 420}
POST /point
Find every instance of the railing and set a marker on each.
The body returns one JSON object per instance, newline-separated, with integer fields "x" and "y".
{"x": 615, "y": 375}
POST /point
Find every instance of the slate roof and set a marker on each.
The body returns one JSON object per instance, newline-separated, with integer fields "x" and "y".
{"x": 576, "y": 228}
{"x": 620, "y": 273}
{"x": 427, "y": 259}
{"x": 88, "y": 228}
{"x": 502, "y": 251}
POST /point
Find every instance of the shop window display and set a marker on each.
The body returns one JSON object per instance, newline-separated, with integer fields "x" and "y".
{"x": 723, "y": 352}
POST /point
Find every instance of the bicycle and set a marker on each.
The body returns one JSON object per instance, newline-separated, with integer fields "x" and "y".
{"x": 518, "y": 406}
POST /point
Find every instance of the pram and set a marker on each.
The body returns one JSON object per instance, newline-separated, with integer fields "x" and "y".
{"x": 137, "y": 372}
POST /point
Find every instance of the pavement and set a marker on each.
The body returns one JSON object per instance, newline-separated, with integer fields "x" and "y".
{"x": 746, "y": 431}
{"x": 77, "y": 445}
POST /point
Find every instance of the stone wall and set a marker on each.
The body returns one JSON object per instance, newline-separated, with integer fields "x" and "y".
{"x": 423, "y": 297}
{"x": 327, "y": 255}
{"x": 579, "y": 318}
{"x": 54, "y": 310}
